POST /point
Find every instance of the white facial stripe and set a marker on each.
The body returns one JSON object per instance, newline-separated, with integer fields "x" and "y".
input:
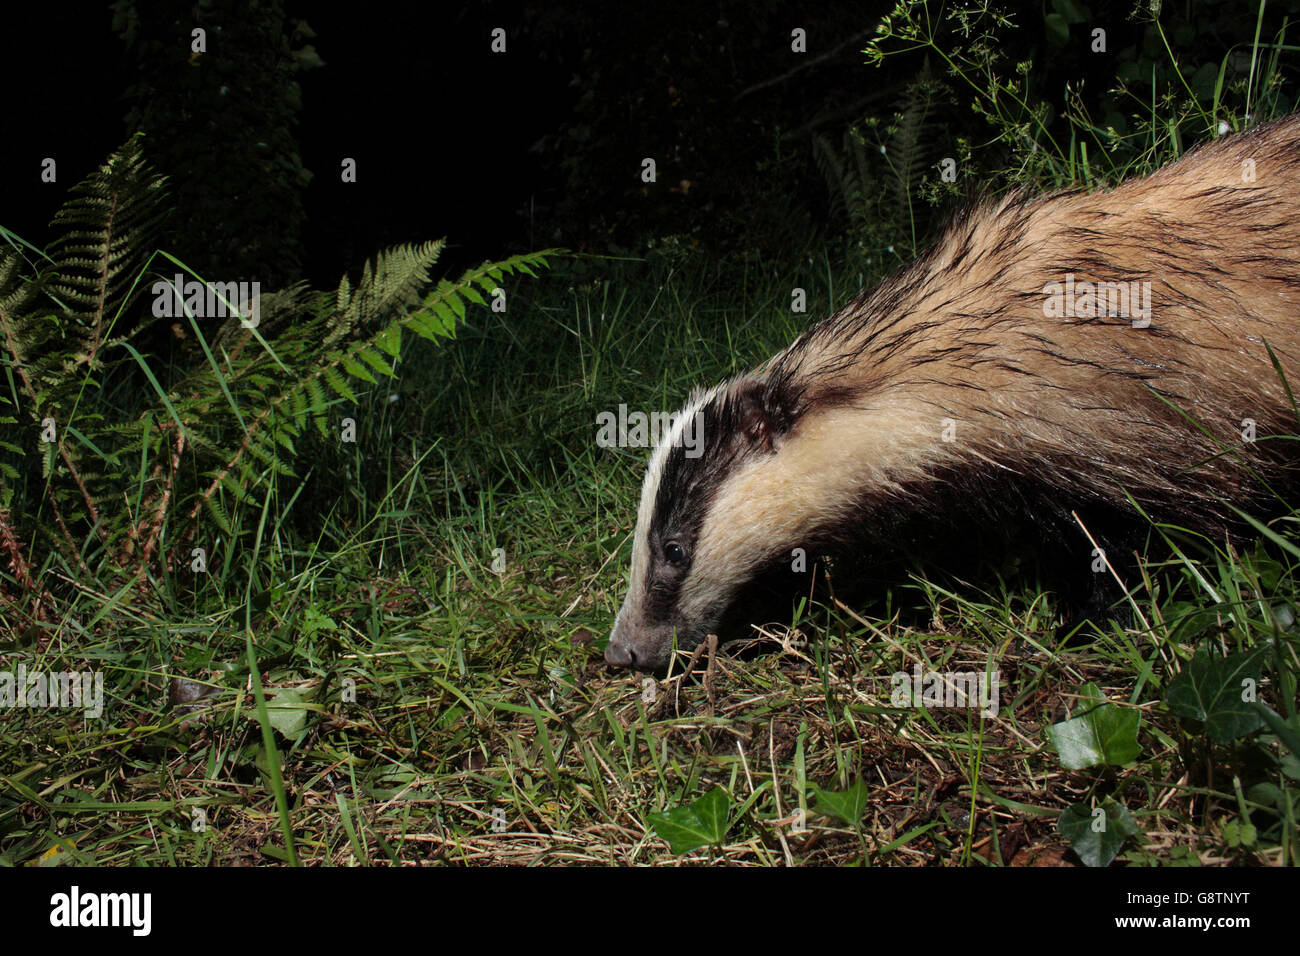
{"x": 650, "y": 490}
{"x": 815, "y": 477}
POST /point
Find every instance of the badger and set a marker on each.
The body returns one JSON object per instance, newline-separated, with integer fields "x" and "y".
{"x": 1128, "y": 347}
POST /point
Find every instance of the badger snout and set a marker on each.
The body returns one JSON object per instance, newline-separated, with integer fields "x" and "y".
{"x": 645, "y": 647}
{"x": 629, "y": 646}
{"x": 619, "y": 654}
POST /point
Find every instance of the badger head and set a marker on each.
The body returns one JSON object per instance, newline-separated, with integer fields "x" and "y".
{"x": 713, "y": 511}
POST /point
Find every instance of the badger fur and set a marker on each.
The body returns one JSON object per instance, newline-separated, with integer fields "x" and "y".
{"x": 991, "y": 363}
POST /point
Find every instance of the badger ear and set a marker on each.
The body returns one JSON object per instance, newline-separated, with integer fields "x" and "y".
{"x": 763, "y": 416}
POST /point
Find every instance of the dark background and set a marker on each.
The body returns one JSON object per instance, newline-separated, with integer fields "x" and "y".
{"x": 440, "y": 128}
{"x": 538, "y": 147}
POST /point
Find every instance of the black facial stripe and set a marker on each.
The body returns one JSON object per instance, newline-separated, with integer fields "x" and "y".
{"x": 727, "y": 425}
{"x": 737, "y": 426}
{"x": 688, "y": 486}
{"x": 661, "y": 600}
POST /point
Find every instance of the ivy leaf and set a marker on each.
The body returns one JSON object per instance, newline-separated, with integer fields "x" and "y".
{"x": 694, "y": 825}
{"x": 1096, "y": 834}
{"x": 1219, "y": 692}
{"x": 1099, "y": 733}
{"x": 848, "y": 805}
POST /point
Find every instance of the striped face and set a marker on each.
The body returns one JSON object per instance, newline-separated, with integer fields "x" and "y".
{"x": 701, "y": 532}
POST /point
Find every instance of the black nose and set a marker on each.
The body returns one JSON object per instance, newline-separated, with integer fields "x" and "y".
{"x": 618, "y": 655}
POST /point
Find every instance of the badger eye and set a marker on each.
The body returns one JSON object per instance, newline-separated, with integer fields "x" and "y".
{"x": 674, "y": 553}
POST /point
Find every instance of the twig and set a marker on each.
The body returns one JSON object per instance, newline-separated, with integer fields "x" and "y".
{"x": 1102, "y": 551}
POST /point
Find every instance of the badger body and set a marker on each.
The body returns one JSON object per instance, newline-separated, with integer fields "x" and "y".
{"x": 1094, "y": 346}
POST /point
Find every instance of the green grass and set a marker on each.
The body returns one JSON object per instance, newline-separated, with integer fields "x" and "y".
{"x": 410, "y": 704}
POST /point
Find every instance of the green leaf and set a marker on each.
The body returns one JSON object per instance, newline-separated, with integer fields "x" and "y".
{"x": 376, "y": 361}
{"x": 1236, "y": 833}
{"x": 318, "y": 404}
{"x": 287, "y": 711}
{"x": 441, "y": 309}
{"x": 234, "y": 484}
{"x": 694, "y": 825}
{"x": 433, "y": 321}
{"x": 848, "y": 805}
{"x": 1099, "y": 733}
{"x": 1287, "y": 733}
{"x": 1268, "y": 795}
{"x": 1219, "y": 692}
{"x": 338, "y": 383}
{"x": 315, "y": 621}
{"x": 1097, "y": 834}
{"x": 447, "y": 292}
{"x": 217, "y": 513}
{"x": 357, "y": 370}
{"x": 390, "y": 340}
{"x": 425, "y": 326}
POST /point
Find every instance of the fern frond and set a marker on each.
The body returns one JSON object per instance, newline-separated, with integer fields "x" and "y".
{"x": 215, "y": 435}
{"x": 108, "y": 225}
{"x": 392, "y": 280}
